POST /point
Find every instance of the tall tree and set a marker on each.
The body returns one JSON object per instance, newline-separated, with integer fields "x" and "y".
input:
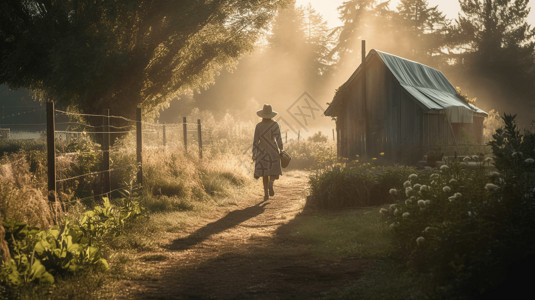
{"x": 319, "y": 41}
{"x": 362, "y": 19}
{"x": 291, "y": 60}
{"x": 120, "y": 54}
{"x": 424, "y": 27}
{"x": 497, "y": 45}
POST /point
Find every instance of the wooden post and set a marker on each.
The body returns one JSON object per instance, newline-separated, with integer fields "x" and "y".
{"x": 139, "y": 145}
{"x": 200, "y": 137}
{"x": 164, "y": 136}
{"x": 106, "y": 154}
{"x": 185, "y": 129}
{"x": 333, "y": 136}
{"x": 51, "y": 150}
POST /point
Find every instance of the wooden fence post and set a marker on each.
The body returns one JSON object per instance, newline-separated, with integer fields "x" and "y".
{"x": 333, "y": 136}
{"x": 139, "y": 145}
{"x": 200, "y": 137}
{"x": 51, "y": 150}
{"x": 106, "y": 153}
{"x": 185, "y": 129}
{"x": 164, "y": 136}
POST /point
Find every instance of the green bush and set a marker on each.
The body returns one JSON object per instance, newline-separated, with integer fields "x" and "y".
{"x": 467, "y": 227}
{"x": 39, "y": 255}
{"x": 314, "y": 154}
{"x": 354, "y": 184}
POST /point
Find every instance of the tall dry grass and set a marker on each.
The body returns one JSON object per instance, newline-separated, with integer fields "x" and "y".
{"x": 23, "y": 190}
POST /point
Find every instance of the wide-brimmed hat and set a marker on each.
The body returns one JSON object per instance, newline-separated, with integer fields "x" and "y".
{"x": 267, "y": 112}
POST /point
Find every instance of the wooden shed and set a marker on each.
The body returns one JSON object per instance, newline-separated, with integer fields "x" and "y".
{"x": 403, "y": 109}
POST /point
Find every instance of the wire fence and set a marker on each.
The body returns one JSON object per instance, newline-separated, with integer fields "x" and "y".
{"x": 86, "y": 153}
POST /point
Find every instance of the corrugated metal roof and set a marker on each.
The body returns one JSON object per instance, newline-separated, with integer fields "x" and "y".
{"x": 427, "y": 85}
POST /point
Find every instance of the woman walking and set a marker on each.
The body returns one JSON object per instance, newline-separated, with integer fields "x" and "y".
{"x": 266, "y": 146}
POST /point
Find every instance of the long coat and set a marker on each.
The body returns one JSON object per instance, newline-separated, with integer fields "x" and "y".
{"x": 266, "y": 144}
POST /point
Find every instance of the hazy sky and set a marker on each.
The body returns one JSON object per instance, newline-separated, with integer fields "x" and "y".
{"x": 328, "y": 8}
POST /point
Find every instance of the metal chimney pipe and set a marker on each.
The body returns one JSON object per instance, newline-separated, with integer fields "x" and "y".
{"x": 363, "y": 51}
{"x": 365, "y": 102}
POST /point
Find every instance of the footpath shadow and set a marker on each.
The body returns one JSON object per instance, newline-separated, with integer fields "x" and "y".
{"x": 231, "y": 220}
{"x": 281, "y": 268}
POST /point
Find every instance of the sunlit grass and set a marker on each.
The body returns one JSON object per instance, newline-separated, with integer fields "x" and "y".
{"x": 360, "y": 233}
{"x": 352, "y": 233}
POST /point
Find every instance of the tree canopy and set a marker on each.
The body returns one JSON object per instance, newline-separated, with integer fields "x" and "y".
{"x": 495, "y": 50}
{"x": 121, "y": 54}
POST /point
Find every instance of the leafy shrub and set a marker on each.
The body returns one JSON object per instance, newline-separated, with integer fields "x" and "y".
{"x": 39, "y": 255}
{"x": 467, "y": 226}
{"x": 13, "y": 146}
{"x": 354, "y": 184}
{"x": 311, "y": 154}
{"x": 318, "y": 137}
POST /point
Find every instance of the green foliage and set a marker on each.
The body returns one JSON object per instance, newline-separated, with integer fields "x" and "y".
{"x": 318, "y": 137}
{"x": 14, "y": 146}
{"x": 466, "y": 226}
{"x": 354, "y": 184}
{"x": 39, "y": 255}
{"x": 315, "y": 153}
{"x": 111, "y": 53}
{"x": 497, "y": 47}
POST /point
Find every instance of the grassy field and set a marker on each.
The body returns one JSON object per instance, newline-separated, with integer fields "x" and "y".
{"x": 360, "y": 233}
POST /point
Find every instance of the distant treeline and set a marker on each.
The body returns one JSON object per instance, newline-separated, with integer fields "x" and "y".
{"x": 118, "y": 54}
{"x": 488, "y": 51}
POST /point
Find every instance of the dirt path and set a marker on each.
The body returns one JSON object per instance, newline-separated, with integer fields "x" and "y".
{"x": 241, "y": 252}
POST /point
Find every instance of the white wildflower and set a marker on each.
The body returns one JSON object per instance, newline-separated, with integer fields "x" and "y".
{"x": 383, "y": 211}
{"x": 446, "y": 189}
{"x": 424, "y": 188}
{"x": 405, "y": 214}
{"x": 435, "y": 176}
{"x": 420, "y": 240}
{"x": 488, "y": 160}
{"x": 515, "y": 154}
{"x": 407, "y": 184}
{"x": 475, "y": 157}
{"x": 453, "y": 181}
{"x": 413, "y": 176}
{"x": 444, "y": 167}
{"x": 466, "y": 159}
{"x": 396, "y": 212}
{"x": 421, "y": 203}
{"x": 433, "y": 182}
{"x": 529, "y": 160}
{"x": 494, "y": 174}
{"x": 408, "y": 191}
{"x": 417, "y": 187}
{"x": 393, "y": 225}
{"x": 469, "y": 213}
{"x": 413, "y": 198}
{"x": 457, "y": 195}
{"x": 408, "y": 202}
{"x": 393, "y": 192}
{"x": 427, "y": 202}
{"x": 451, "y": 198}
{"x": 491, "y": 187}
